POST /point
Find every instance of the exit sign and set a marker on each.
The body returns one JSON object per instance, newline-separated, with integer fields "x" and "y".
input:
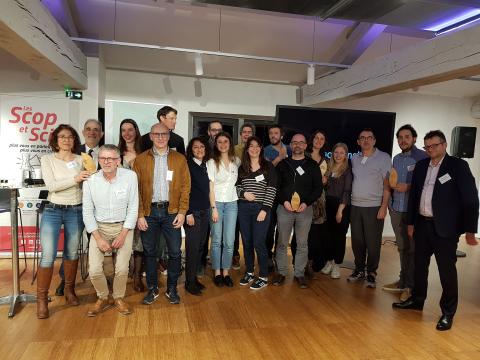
{"x": 73, "y": 94}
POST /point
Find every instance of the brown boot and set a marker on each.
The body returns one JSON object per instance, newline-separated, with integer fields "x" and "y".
{"x": 137, "y": 273}
{"x": 70, "y": 268}
{"x": 44, "y": 277}
{"x": 122, "y": 307}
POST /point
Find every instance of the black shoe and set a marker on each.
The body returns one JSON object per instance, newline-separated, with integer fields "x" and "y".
{"x": 151, "y": 296}
{"x": 227, "y": 280}
{"x": 247, "y": 279}
{"x": 193, "y": 289}
{"x": 172, "y": 295}
{"x": 199, "y": 285}
{"x": 60, "y": 289}
{"x": 445, "y": 323}
{"x": 278, "y": 280}
{"x": 409, "y": 304}
{"x": 218, "y": 280}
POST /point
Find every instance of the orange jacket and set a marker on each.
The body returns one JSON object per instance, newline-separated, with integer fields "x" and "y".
{"x": 179, "y": 188}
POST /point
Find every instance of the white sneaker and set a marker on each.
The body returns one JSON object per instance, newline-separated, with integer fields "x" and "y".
{"x": 335, "y": 274}
{"x": 327, "y": 269}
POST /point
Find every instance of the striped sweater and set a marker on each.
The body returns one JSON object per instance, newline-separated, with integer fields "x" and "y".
{"x": 262, "y": 184}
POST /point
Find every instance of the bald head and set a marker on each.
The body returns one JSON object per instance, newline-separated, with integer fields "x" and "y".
{"x": 159, "y": 134}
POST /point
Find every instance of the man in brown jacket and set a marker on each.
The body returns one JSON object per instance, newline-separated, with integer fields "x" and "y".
{"x": 164, "y": 189}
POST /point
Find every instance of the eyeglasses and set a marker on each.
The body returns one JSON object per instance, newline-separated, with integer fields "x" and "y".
{"x": 160, "y": 135}
{"x": 93, "y": 129}
{"x": 108, "y": 159}
{"x": 432, "y": 146}
{"x": 213, "y": 130}
{"x": 365, "y": 138}
{"x": 297, "y": 143}
{"x": 63, "y": 137}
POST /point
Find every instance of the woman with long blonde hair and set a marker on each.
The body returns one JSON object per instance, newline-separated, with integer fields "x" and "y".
{"x": 338, "y": 193}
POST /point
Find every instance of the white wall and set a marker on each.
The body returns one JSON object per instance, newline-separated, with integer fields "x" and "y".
{"x": 218, "y": 96}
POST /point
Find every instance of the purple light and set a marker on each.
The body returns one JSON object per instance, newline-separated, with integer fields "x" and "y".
{"x": 459, "y": 18}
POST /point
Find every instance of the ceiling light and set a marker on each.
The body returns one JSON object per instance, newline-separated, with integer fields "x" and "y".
{"x": 311, "y": 74}
{"x": 198, "y": 65}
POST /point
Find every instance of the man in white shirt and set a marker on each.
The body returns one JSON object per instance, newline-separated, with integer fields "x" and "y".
{"x": 110, "y": 210}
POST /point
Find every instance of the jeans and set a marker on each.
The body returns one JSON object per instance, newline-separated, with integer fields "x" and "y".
{"x": 406, "y": 249}
{"x": 253, "y": 236}
{"x": 52, "y": 220}
{"x": 227, "y": 218}
{"x": 160, "y": 221}
{"x": 286, "y": 220}
{"x": 195, "y": 237}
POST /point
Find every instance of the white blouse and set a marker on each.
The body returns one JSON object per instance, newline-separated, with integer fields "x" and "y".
{"x": 224, "y": 179}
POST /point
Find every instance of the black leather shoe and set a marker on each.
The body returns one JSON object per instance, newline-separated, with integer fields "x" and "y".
{"x": 199, "y": 285}
{"x": 445, "y": 323}
{"x": 278, "y": 280}
{"x": 193, "y": 289}
{"x": 59, "y": 290}
{"x": 227, "y": 280}
{"x": 218, "y": 280}
{"x": 409, "y": 304}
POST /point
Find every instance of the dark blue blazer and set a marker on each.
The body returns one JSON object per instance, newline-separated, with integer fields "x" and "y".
{"x": 454, "y": 203}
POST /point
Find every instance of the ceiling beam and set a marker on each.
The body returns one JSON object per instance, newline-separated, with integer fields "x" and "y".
{"x": 441, "y": 59}
{"x": 31, "y": 34}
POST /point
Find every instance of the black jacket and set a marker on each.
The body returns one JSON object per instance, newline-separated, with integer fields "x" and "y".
{"x": 176, "y": 142}
{"x": 309, "y": 185}
{"x": 454, "y": 203}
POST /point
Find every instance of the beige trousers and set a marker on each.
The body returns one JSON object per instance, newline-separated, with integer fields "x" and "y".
{"x": 96, "y": 257}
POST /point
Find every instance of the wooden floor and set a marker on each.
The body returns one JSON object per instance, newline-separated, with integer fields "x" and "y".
{"x": 330, "y": 320}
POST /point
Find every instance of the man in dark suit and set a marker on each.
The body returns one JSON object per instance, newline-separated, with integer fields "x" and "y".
{"x": 167, "y": 116}
{"x": 443, "y": 204}
{"x": 92, "y": 133}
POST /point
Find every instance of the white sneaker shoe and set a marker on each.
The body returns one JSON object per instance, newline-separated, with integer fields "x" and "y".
{"x": 327, "y": 269}
{"x": 335, "y": 274}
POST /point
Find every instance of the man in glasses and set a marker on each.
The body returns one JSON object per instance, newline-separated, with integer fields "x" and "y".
{"x": 443, "y": 204}
{"x": 299, "y": 185}
{"x": 370, "y": 195}
{"x": 110, "y": 209}
{"x": 164, "y": 189}
{"x": 403, "y": 163}
{"x": 168, "y": 117}
{"x": 214, "y": 128}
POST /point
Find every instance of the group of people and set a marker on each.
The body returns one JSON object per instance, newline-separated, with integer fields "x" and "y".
{"x": 148, "y": 187}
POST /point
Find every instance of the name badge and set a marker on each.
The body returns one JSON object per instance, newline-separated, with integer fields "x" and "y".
{"x": 120, "y": 194}
{"x": 410, "y": 167}
{"x": 169, "y": 175}
{"x": 300, "y": 171}
{"x": 71, "y": 164}
{"x": 259, "y": 178}
{"x": 443, "y": 179}
{"x": 364, "y": 160}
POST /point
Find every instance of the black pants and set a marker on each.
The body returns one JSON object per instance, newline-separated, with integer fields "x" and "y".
{"x": 317, "y": 240}
{"x": 337, "y": 232}
{"x": 195, "y": 237}
{"x": 428, "y": 242}
{"x": 272, "y": 235}
{"x": 236, "y": 244}
{"x": 203, "y": 259}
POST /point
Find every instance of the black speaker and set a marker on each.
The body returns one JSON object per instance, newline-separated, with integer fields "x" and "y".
{"x": 462, "y": 144}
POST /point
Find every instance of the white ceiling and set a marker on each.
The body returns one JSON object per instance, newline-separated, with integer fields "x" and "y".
{"x": 208, "y": 27}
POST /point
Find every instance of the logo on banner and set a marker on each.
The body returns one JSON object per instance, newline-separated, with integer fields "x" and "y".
{"x": 37, "y": 125}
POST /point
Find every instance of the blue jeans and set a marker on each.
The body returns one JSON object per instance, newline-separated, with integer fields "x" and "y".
{"x": 254, "y": 234}
{"x": 52, "y": 220}
{"x": 160, "y": 221}
{"x": 227, "y": 218}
